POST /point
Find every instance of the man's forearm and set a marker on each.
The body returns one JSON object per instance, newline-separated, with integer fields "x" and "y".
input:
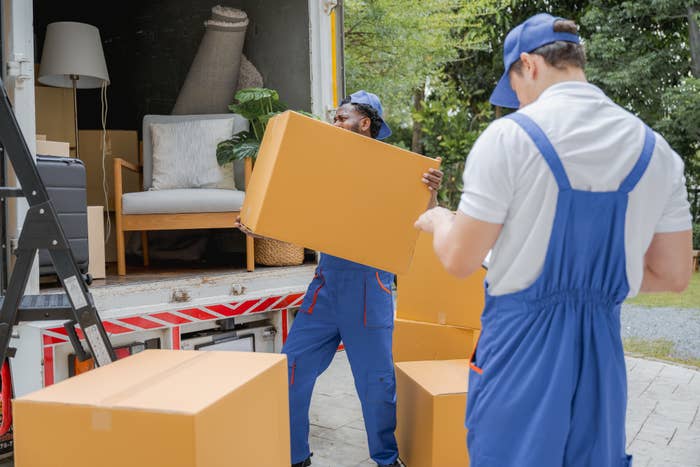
{"x": 433, "y": 200}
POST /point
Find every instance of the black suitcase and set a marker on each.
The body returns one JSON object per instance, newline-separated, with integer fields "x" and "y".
{"x": 65, "y": 181}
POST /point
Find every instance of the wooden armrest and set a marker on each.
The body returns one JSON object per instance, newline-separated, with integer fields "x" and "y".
{"x": 119, "y": 164}
{"x": 118, "y": 161}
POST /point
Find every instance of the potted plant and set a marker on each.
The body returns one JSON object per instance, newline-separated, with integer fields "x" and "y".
{"x": 258, "y": 106}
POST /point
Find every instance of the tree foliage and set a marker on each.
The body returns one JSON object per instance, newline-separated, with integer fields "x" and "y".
{"x": 644, "y": 54}
{"x": 394, "y": 46}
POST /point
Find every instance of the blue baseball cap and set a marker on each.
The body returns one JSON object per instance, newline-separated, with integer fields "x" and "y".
{"x": 526, "y": 37}
{"x": 364, "y": 97}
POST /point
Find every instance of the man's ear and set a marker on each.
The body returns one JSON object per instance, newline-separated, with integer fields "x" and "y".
{"x": 365, "y": 124}
{"x": 529, "y": 67}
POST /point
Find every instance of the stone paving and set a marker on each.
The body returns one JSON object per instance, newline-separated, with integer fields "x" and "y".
{"x": 663, "y": 419}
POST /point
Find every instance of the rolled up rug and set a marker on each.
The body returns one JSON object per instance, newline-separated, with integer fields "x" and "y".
{"x": 213, "y": 76}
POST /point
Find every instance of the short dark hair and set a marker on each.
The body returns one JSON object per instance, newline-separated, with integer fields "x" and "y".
{"x": 369, "y": 112}
{"x": 559, "y": 54}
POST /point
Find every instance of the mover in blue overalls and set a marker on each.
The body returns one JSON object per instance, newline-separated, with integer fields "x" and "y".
{"x": 350, "y": 302}
{"x": 547, "y": 385}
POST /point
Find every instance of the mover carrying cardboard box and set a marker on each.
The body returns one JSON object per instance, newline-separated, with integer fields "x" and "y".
{"x": 431, "y": 402}
{"x": 161, "y": 408}
{"x": 336, "y": 191}
{"x": 429, "y": 293}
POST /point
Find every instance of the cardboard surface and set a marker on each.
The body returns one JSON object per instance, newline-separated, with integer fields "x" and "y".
{"x": 414, "y": 341}
{"x": 429, "y": 293}
{"x": 55, "y": 117}
{"x": 161, "y": 407}
{"x": 338, "y": 192}
{"x": 119, "y": 143}
{"x": 96, "y": 242}
{"x": 52, "y": 148}
{"x": 431, "y": 408}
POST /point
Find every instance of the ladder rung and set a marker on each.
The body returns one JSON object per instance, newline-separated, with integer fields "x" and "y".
{"x": 10, "y": 192}
{"x": 44, "y": 307}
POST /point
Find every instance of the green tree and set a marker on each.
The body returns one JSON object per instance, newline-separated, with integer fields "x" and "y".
{"x": 395, "y": 47}
{"x": 646, "y": 56}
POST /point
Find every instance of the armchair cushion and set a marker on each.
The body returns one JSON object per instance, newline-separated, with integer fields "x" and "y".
{"x": 239, "y": 124}
{"x": 181, "y": 201}
{"x": 184, "y": 153}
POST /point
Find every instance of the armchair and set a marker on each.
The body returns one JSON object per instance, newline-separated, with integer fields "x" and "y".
{"x": 180, "y": 208}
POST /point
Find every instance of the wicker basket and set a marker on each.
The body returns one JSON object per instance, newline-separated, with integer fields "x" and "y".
{"x": 269, "y": 252}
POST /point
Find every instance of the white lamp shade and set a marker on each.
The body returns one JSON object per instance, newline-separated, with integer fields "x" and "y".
{"x": 73, "y": 49}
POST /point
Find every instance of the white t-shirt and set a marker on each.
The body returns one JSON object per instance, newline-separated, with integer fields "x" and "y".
{"x": 507, "y": 181}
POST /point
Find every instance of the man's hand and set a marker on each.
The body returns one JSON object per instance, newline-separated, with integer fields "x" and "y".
{"x": 460, "y": 241}
{"x": 433, "y": 179}
{"x": 245, "y": 229}
{"x": 435, "y": 216}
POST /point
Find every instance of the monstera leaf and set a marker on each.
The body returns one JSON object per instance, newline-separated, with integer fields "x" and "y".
{"x": 258, "y": 106}
{"x": 242, "y": 146}
{"x": 256, "y": 94}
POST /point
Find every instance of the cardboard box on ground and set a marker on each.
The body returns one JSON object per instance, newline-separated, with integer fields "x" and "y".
{"x": 332, "y": 190}
{"x": 431, "y": 411}
{"x": 161, "y": 408}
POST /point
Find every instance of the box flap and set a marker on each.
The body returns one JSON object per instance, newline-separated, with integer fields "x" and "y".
{"x": 160, "y": 380}
{"x": 438, "y": 377}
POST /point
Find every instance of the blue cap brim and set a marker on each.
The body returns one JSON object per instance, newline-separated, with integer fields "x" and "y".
{"x": 384, "y": 131}
{"x": 503, "y": 95}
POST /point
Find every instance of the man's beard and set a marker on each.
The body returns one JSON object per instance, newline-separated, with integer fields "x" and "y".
{"x": 355, "y": 128}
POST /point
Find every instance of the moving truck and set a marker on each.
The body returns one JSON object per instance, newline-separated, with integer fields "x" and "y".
{"x": 296, "y": 46}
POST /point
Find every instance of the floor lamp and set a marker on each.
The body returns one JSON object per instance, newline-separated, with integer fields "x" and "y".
{"x": 73, "y": 58}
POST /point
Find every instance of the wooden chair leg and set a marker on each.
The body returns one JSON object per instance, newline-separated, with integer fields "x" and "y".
{"x": 121, "y": 252}
{"x": 250, "y": 253}
{"x": 144, "y": 248}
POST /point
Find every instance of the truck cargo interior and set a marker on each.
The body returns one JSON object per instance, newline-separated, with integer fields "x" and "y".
{"x": 152, "y": 50}
{"x": 93, "y": 85}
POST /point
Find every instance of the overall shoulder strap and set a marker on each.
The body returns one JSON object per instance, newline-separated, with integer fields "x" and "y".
{"x": 545, "y": 147}
{"x": 640, "y": 167}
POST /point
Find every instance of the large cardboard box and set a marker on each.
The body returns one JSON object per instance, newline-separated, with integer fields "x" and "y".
{"x": 431, "y": 402}
{"x": 55, "y": 116}
{"x": 161, "y": 408}
{"x": 119, "y": 143}
{"x": 427, "y": 292}
{"x": 336, "y": 191}
{"x": 414, "y": 341}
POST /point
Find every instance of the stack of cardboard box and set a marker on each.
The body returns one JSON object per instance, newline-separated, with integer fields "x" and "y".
{"x": 437, "y": 326}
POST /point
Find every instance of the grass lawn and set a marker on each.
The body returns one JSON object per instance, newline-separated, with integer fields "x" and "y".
{"x": 660, "y": 349}
{"x": 688, "y": 299}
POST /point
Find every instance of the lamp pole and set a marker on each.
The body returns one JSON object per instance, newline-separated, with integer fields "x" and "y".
{"x": 74, "y": 79}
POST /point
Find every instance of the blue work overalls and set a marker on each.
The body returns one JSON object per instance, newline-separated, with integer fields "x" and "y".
{"x": 547, "y": 384}
{"x": 353, "y": 303}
